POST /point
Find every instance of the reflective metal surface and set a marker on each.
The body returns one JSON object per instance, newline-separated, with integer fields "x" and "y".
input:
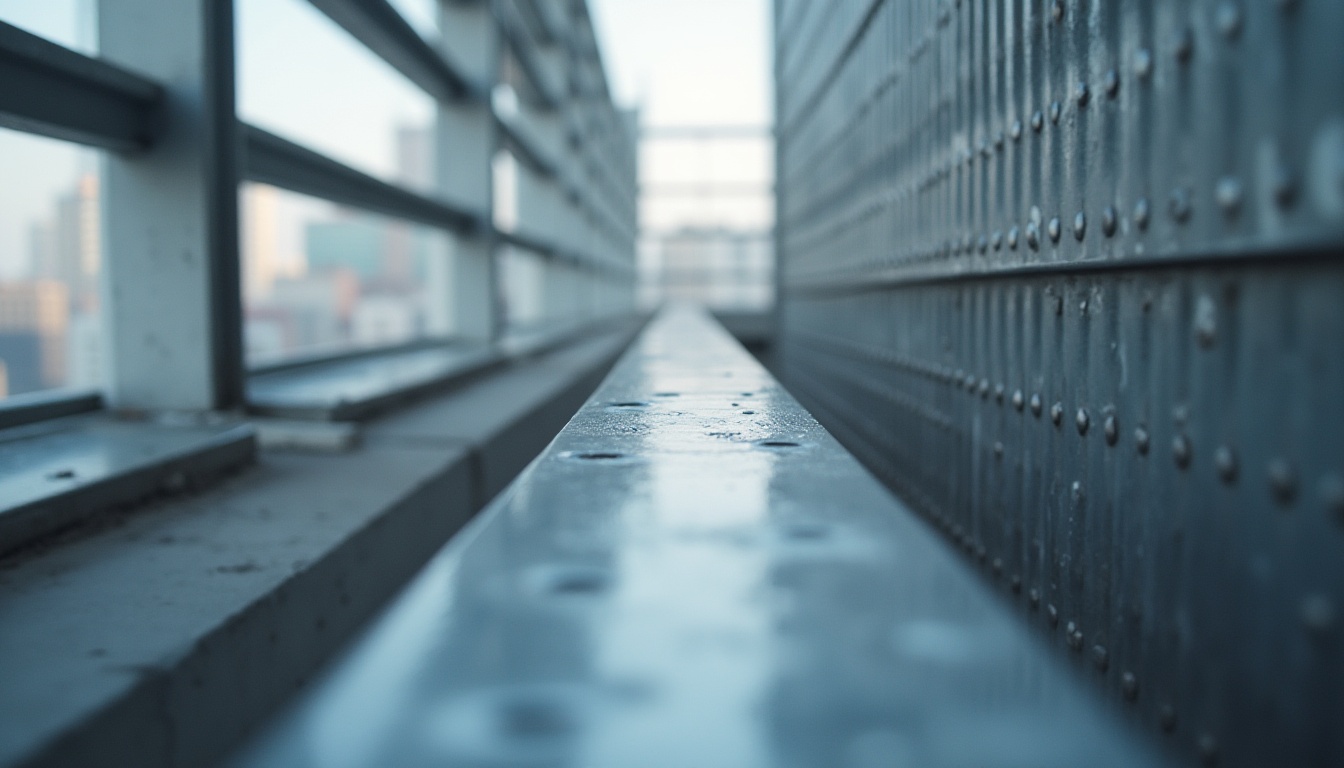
{"x": 1066, "y": 274}
{"x": 696, "y": 574}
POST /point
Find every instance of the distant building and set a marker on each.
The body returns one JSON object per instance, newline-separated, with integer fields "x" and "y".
{"x": 34, "y": 320}
{"x": 721, "y": 268}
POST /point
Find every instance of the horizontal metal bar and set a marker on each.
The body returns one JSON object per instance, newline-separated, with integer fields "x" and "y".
{"x": 524, "y": 148}
{"x": 384, "y": 31}
{"x": 23, "y": 409}
{"x": 269, "y": 159}
{"x": 694, "y": 554}
{"x": 537, "y": 91}
{"x": 53, "y": 91}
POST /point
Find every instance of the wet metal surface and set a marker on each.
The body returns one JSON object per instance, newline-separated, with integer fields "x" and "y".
{"x": 696, "y": 574}
{"x": 1066, "y": 275}
{"x": 58, "y": 472}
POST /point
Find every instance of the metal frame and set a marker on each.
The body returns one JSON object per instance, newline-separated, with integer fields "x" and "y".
{"x": 52, "y": 91}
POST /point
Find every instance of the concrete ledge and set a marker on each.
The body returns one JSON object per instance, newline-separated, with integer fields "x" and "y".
{"x": 166, "y": 637}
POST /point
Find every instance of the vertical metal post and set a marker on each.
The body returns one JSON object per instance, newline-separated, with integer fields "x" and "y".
{"x": 173, "y": 311}
{"x": 465, "y": 144}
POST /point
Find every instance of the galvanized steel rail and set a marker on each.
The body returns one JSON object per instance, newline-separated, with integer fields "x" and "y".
{"x": 696, "y": 574}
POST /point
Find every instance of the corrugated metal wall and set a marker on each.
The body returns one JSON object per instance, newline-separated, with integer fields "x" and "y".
{"x": 1069, "y": 276}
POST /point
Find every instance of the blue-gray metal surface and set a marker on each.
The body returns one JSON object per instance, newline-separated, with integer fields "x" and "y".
{"x": 17, "y": 410}
{"x": 362, "y": 384}
{"x": 65, "y": 471}
{"x": 695, "y": 573}
{"x": 48, "y": 89}
{"x": 1066, "y": 274}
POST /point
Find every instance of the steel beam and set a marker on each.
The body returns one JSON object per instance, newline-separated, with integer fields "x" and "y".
{"x": 694, "y": 554}
{"x": 383, "y": 30}
{"x": 53, "y": 91}
{"x": 270, "y": 159}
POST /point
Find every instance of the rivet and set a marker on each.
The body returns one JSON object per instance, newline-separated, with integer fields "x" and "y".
{"x": 998, "y": 450}
{"x": 1331, "y": 490}
{"x": 1052, "y": 615}
{"x": 1129, "y": 686}
{"x": 1079, "y": 225}
{"x": 1034, "y": 597}
{"x": 998, "y": 393}
{"x": 1082, "y": 94}
{"x": 1180, "y": 205}
{"x": 1100, "y": 657}
{"x": 1111, "y": 83}
{"x": 1206, "y": 321}
{"x": 996, "y": 240}
{"x": 1282, "y": 480}
{"x": 1037, "y": 121}
{"x": 1057, "y": 11}
{"x": 1318, "y": 613}
{"x": 1225, "y": 461}
{"x": 1082, "y": 420}
{"x": 1036, "y": 405}
{"x": 1142, "y": 213}
{"x": 1109, "y": 221}
{"x": 1052, "y": 228}
{"x": 984, "y": 388}
{"x": 1166, "y": 717}
{"x": 1018, "y": 400}
{"x": 1208, "y": 749}
{"x": 1056, "y": 109}
{"x": 1284, "y": 186}
{"x": 1111, "y": 428}
{"x": 1181, "y": 450}
{"x": 1183, "y": 46}
{"x": 1228, "y": 193}
{"x": 1033, "y": 236}
{"x": 1143, "y": 63}
{"x": 1015, "y": 131}
{"x": 1229, "y": 19}
{"x": 1057, "y": 413}
{"x": 1012, "y": 238}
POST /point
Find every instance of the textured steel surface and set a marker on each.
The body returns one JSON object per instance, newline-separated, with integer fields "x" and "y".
{"x": 695, "y": 574}
{"x": 1067, "y": 275}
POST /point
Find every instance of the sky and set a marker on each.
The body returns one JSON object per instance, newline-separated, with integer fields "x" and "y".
{"x": 680, "y": 61}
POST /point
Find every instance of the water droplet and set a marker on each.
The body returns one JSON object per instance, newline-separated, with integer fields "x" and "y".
{"x": 1111, "y": 429}
{"x": 1111, "y": 83}
{"x": 1018, "y": 400}
{"x": 1036, "y": 405}
{"x": 1056, "y": 110}
{"x": 1012, "y": 238}
{"x": 1206, "y": 321}
{"x": 1057, "y": 11}
{"x": 1033, "y": 236}
{"x": 1082, "y": 420}
{"x": 1037, "y": 121}
{"x": 1015, "y": 131}
{"x": 1142, "y": 441}
{"x": 1053, "y": 229}
{"x": 1057, "y": 413}
{"x": 1129, "y": 686}
{"x": 1183, "y": 45}
{"x": 996, "y": 240}
{"x": 1079, "y": 226}
{"x": 1282, "y": 480}
{"x": 1082, "y": 94}
{"x": 1284, "y": 185}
